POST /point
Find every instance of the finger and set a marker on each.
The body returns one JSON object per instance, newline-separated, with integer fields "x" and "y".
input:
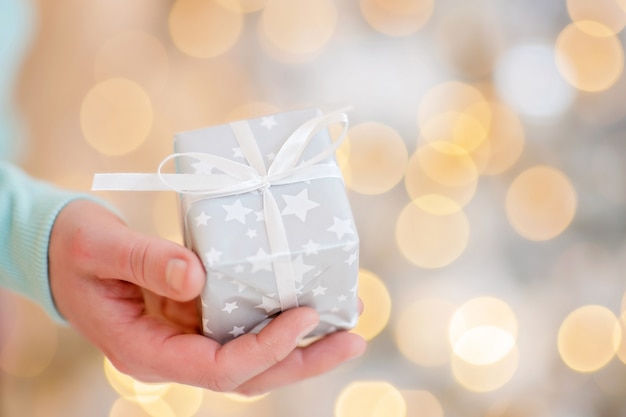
{"x": 109, "y": 249}
{"x": 153, "y": 351}
{"x": 315, "y": 359}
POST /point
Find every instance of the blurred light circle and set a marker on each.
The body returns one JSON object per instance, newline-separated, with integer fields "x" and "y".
{"x": 485, "y": 378}
{"x": 375, "y": 296}
{"x": 528, "y": 80}
{"x": 397, "y": 17}
{"x": 541, "y": 203}
{"x": 454, "y": 97}
{"x": 297, "y": 28}
{"x": 430, "y": 194}
{"x": 179, "y": 400}
{"x": 431, "y": 240}
{"x": 203, "y": 29}
{"x": 588, "y": 338}
{"x": 505, "y": 141}
{"x": 461, "y": 129}
{"x": 480, "y": 312}
{"x": 589, "y": 62}
{"x": 447, "y": 164}
{"x": 378, "y": 158}
{"x": 421, "y": 331}
{"x": 123, "y": 384}
{"x": 242, "y": 6}
{"x": 370, "y": 399}
{"x": 609, "y": 13}
{"x": 134, "y": 55}
{"x": 484, "y": 345}
{"x": 422, "y": 403}
{"x": 124, "y": 407}
{"x": 116, "y": 116}
{"x": 32, "y": 342}
{"x": 146, "y": 393}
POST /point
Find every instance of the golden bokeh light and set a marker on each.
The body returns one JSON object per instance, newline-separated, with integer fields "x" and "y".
{"x": 450, "y": 100}
{"x": 485, "y": 378}
{"x": 242, "y": 6}
{"x": 484, "y": 345}
{"x": 607, "y": 12}
{"x": 203, "y": 29}
{"x": 134, "y": 55}
{"x": 124, "y": 407}
{"x": 297, "y": 30}
{"x": 32, "y": 343}
{"x": 378, "y": 158}
{"x": 431, "y": 194}
{"x": 182, "y": 400}
{"x": 116, "y": 116}
{"x": 461, "y": 129}
{"x": 431, "y": 240}
{"x": 447, "y": 164}
{"x": 375, "y": 296}
{"x": 421, "y": 331}
{"x": 397, "y": 17}
{"x": 541, "y": 203}
{"x": 229, "y": 404}
{"x": 505, "y": 140}
{"x": 483, "y": 330}
{"x": 420, "y": 403}
{"x": 587, "y": 61}
{"x": 588, "y": 338}
{"x": 370, "y": 399}
{"x": 123, "y": 384}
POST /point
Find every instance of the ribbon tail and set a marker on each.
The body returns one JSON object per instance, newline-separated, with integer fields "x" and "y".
{"x": 281, "y": 258}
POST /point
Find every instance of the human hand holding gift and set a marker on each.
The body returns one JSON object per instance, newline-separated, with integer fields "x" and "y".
{"x": 150, "y": 320}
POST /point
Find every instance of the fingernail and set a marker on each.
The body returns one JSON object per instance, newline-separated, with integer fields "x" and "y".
{"x": 175, "y": 274}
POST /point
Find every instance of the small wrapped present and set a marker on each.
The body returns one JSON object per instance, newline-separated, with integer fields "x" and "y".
{"x": 265, "y": 208}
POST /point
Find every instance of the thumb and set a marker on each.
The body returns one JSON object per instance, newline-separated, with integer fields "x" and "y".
{"x": 108, "y": 249}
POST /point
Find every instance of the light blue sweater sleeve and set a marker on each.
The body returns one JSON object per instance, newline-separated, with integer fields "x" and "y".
{"x": 28, "y": 209}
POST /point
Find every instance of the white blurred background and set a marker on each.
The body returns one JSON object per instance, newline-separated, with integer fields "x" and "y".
{"x": 486, "y": 166}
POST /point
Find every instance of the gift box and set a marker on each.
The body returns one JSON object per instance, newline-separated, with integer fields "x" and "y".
{"x": 264, "y": 207}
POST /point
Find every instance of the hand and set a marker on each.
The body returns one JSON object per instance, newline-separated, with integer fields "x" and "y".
{"x": 134, "y": 297}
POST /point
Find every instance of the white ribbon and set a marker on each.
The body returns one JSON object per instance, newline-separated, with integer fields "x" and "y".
{"x": 238, "y": 178}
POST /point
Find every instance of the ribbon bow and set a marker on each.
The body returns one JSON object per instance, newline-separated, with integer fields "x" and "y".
{"x": 238, "y": 178}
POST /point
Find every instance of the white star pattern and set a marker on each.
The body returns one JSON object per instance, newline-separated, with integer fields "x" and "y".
{"x": 300, "y": 268}
{"x": 310, "y": 248}
{"x": 268, "y": 304}
{"x": 240, "y": 287}
{"x": 239, "y": 268}
{"x": 260, "y": 216}
{"x": 212, "y": 256}
{"x": 271, "y": 156}
{"x": 298, "y": 204}
{"x": 202, "y": 168}
{"x": 341, "y": 227}
{"x": 217, "y": 275}
{"x": 319, "y": 290}
{"x": 334, "y": 309}
{"x": 251, "y": 233}
{"x": 202, "y": 219}
{"x": 236, "y": 211}
{"x": 229, "y": 307}
{"x": 351, "y": 259}
{"x": 237, "y": 331}
{"x": 237, "y": 152}
{"x": 354, "y": 290}
{"x": 268, "y": 122}
{"x": 342, "y": 297}
{"x": 261, "y": 261}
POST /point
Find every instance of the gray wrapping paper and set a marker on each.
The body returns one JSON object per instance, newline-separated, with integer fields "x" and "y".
{"x": 229, "y": 234}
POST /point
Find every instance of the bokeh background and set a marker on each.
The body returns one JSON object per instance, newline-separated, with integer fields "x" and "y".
{"x": 485, "y": 164}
